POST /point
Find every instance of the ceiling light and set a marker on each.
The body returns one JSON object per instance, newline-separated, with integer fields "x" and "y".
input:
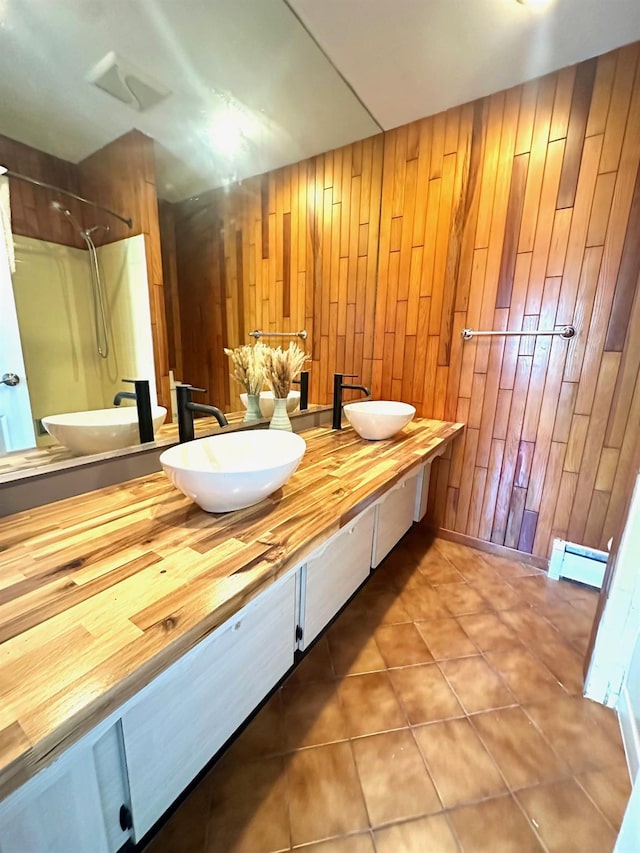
{"x": 232, "y": 127}
{"x": 226, "y": 133}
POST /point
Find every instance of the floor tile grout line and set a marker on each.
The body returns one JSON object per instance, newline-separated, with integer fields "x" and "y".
{"x": 537, "y": 659}
{"x": 615, "y": 828}
{"x": 351, "y": 749}
{"x": 533, "y": 651}
{"x": 530, "y": 823}
{"x": 511, "y": 792}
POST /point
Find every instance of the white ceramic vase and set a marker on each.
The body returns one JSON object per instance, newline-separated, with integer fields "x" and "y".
{"x": 253, "y": 412}
{"x": 280, "y": 418}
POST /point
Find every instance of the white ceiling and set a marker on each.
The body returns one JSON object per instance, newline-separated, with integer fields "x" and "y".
{"x": 253, "y": 54}
{"x": 254, "y": 61}
{"x": 408, "y": 59}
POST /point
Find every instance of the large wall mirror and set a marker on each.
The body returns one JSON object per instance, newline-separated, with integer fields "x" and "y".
{"x": 149, "y": 110}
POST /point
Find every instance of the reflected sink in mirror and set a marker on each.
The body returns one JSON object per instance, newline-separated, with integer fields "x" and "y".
{"x": 267, "y": 404}
{"x": 378, "y": 419}
{"x": 226, "y": 472}
{"x": 101, "y": 429}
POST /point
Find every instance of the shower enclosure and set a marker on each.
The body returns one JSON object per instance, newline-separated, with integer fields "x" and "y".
{"x": 75, "y": 313}
{"x": 84, "y": 323}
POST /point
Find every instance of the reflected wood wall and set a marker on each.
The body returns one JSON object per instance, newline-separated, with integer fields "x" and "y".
{"x": 122, "y": 177}
{"x": 31, "y": 214}
{"x": 517, "y": 211}
{"x": 294, "y": 249}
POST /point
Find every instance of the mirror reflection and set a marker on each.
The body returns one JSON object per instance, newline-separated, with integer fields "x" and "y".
{"x": 145, "y": 110}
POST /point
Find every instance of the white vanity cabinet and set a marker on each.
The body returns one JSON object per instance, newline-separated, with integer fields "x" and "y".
{"x": 182, "y": 718}
{"x": 72, "y": 805}
{"x": 333, "y": 573}
{"x": 394, "y": 516}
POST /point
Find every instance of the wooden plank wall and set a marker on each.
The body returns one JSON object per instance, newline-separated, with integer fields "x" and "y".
{"x": 122, "y": 177}
{"x": 295, "y": 249}
{"x": 170, "y": 280}
{"x": 518, "y": 211}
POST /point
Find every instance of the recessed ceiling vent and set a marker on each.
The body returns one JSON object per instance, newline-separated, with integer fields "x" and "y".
{"x": 119, "y": 78}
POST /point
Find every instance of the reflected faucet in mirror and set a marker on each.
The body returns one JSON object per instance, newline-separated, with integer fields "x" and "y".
{"x": 303, "y": 382}
{"x": 187, "y": 408}
{"x": 142, "y": 396}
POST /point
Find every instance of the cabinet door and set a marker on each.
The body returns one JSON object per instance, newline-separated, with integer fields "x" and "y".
{"x": 394, "y": 517}
{"x": 186, "y": 714}
{"x": 334, "y": 572}
{"x": 57, "y": 811}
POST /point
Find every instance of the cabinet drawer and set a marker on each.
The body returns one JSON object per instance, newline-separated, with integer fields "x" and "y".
{"x": 185, "y": 715}
{"x": 334, "y": 572}
{"x": 394, "y": 516}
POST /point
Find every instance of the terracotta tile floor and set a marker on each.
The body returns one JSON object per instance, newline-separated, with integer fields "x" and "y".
{"x": 441, "y": 712}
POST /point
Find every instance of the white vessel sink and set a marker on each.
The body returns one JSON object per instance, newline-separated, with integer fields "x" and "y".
{"x": 101, "y": 429}
{"x": 378, "y": 419}
{"x": 267, "y": 404}
{"x": 222, "y": 473}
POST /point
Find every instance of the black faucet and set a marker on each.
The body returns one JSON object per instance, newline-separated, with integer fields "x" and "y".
{"x": 303, "y": 382}
{"x": 142, "y": 396}
{"x": 186, "y": 408}
{"x": 338, "y": 387}
{"x": 123, "y": 395}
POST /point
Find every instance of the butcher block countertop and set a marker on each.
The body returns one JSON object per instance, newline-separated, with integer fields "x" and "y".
{"x": 101, "y": 592}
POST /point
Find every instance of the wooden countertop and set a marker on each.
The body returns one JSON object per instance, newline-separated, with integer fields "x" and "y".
{"x": 101, "y": 592}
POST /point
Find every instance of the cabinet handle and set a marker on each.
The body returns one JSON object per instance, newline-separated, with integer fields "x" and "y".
{"x": 126, "y": 820}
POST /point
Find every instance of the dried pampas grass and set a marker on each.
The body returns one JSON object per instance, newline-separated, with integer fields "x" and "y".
{"x": 282, "y": 366}
{"x": 248, "y": 366}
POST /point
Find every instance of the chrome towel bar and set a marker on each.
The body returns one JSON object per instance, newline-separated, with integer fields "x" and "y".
{"x": 258, "y": 334}
{"x": 564, "y": 332}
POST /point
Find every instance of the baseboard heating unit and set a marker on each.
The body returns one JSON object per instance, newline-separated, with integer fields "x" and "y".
{"x": 577, "y": 563}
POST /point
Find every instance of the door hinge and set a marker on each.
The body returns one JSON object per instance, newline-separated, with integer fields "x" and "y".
{"x": 299, "y": 632}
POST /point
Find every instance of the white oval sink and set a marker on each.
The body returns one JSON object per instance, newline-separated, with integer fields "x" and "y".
{"x": 378, "y": 419}
{"x": 267, "y": 404}
{"x": 222, "y": 473}
{"x": 101, "y": 429}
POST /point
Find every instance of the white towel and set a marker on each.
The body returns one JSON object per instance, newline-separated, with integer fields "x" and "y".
{"x": 5, "y": 218}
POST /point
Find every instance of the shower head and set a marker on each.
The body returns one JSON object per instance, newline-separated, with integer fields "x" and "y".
{"x": 90, "y": 231}
{"x": 56, "y": 205}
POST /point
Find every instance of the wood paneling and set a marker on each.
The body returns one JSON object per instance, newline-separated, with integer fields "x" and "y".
{"x": 121, "y": 176}
{"x": 519, "y": 211}
{"x": 554, "y": 241}
{"x": 31, "y": 213}
{"x": 292, "y": 250}
{"x": 170, "y": 280}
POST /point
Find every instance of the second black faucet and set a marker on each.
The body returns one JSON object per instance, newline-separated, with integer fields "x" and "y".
{"x": 338, "y": 387}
